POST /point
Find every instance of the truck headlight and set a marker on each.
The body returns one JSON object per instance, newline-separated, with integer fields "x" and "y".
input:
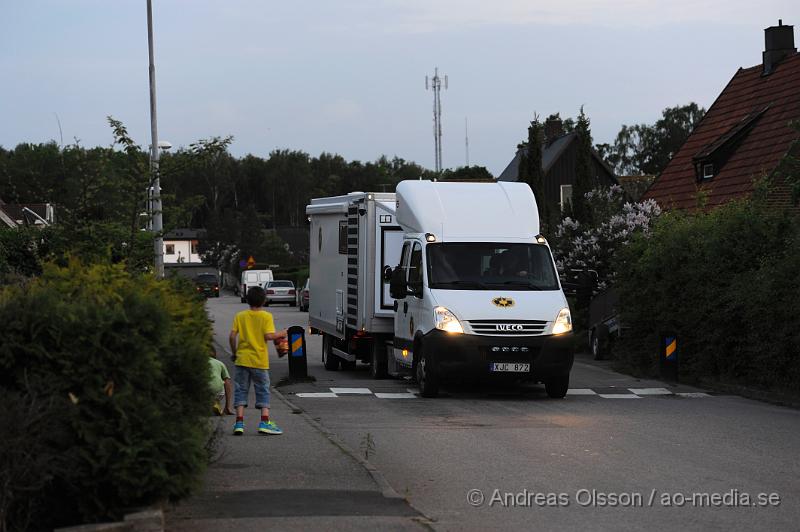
{"x": 563, "y": 323}
{"x": 446, "y": 321}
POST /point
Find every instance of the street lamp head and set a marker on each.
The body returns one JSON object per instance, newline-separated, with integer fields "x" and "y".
{"x": 164, "y": 145}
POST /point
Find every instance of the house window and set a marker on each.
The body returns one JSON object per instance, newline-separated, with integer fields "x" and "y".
{"x": 708, "y": 171}
{"x": 566, "y": 196}
{"x": 343, "y": 238}
{"x": 170, "y": 249}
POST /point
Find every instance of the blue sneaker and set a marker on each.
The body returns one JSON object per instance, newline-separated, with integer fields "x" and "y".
{"x": 238, "y": 428}
{"x": 269, "y": 427}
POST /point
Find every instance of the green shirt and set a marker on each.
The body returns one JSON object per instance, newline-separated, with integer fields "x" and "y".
{"x": 219, "y": 373}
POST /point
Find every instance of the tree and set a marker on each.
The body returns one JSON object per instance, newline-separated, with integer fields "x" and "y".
{"x": 468, "y": 173}
{"x": 584, "y": 174}
{"x": 646, "y": 149}
{"x": 530, "y": 167}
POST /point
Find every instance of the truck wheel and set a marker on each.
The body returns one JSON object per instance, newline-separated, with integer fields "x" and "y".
{"x": 329, "y": 360}
{"x": 557, "y": 387}
{"x": 427, "y": 379}
{"x": 380, "y": 364}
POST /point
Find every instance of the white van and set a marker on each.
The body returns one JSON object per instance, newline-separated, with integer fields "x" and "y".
{"x": 477, "y": 289}
{"x": 253, "y": 278}
{"x": 443, "y": 281}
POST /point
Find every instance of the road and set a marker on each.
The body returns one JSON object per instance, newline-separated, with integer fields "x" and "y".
{"x": 617, "y": 453}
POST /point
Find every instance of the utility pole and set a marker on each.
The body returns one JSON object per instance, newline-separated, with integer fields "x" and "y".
{"x": 158, "y": 222}
{"x": 436, "y": 86}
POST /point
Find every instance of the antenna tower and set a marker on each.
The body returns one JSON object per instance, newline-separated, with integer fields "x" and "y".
{"x": 466, "y": 139}
{"x": 436, "y": 85}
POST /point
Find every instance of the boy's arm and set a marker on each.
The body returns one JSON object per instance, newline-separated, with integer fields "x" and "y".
{"x": 232, "y": 341}
{"x": 276, "y": 335}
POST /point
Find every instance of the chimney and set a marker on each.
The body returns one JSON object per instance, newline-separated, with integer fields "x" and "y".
{"x": 778, "y": 44}
{"x": 553, "y": 128}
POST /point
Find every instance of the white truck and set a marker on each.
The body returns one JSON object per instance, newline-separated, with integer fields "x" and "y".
{"x": 441, "y": 280}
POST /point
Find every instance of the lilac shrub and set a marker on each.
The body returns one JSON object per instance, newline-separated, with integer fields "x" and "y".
{"x": 592, "y": 246}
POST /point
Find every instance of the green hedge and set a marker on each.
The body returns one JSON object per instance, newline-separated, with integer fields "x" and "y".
{"x": 117, "y": 366}
{"x": 727, "y": 283}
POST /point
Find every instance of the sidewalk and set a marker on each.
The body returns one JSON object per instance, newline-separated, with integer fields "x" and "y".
{"x": 301, "y": 480}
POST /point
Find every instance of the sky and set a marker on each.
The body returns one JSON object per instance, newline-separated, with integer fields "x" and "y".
{"x": 348, "y": 77}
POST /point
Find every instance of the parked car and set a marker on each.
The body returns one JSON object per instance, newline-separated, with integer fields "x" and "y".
{"x": 304, "y": 296}
{"x": 280, "y": 292}
{"x": 253, "y": 278}
{"x": 207, "y": 284}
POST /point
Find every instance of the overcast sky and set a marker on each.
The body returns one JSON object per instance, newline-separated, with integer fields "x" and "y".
{"x": 348, "y": 76}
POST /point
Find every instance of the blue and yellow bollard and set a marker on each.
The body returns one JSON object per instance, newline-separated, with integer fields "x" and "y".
{"x": 668, "y": 356}
{"x": 298, "y": 361}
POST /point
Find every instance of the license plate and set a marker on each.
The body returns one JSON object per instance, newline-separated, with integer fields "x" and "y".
{"x": 513, "y": 367}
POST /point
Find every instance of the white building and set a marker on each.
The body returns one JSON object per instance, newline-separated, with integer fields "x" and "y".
{"x": 181, "y": 246}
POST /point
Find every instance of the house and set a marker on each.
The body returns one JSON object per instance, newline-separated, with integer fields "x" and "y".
{"x": 742, "y": 137}
{"x": 28, "y": 214}
{"x": 559, "y": 156}
{"x": 181, "y": 246}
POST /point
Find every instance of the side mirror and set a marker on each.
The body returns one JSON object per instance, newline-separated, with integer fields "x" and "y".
{"x": 397, "y": 283}
{"x": 387, "y": 274}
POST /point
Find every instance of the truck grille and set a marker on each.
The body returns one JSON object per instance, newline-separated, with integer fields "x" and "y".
{"x": 508, "y": 327}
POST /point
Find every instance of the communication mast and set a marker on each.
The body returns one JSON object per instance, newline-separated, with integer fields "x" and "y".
{"x": 436, "y": 85}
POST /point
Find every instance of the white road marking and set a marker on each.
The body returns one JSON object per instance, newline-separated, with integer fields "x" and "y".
{"x": 354, "y": 391}
{"x": 412, "y": 390}
{"x": 618, "y": 396}
{"x": 317, "y": 394}
{"x": 650, "y": 391}
{"x": 581, "y": 391}
{"x": 692, "y": 394}
{"x": 395, "y": 396}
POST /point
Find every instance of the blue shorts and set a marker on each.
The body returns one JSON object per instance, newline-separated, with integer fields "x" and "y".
{"x": 260, "y": 379}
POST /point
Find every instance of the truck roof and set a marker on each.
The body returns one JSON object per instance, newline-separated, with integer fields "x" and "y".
{"x": 456, "y": 211}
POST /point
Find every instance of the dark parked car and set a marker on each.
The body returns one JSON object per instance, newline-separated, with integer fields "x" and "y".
{"x": 207, "y": 284}
{"x": 304, "y": 296}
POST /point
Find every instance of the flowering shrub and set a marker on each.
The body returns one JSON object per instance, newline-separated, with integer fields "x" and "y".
{"x": 592, "y": 247}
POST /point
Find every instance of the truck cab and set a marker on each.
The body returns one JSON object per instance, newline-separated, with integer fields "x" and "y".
{"x": 477, "y": 292}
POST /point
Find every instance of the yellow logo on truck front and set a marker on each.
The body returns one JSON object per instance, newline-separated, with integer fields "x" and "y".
{"x": 503, "y": 302}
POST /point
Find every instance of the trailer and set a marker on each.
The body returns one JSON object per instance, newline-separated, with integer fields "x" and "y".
{"x": 353, "y": 239}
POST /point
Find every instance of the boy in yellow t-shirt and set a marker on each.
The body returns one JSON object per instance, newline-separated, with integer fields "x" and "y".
{"x": 251, "y": 331}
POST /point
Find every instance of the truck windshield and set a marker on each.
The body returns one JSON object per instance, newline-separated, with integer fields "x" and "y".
{"x": 489, "y": 266}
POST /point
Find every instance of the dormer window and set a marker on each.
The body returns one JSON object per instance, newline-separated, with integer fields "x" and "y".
{"x": 708, "y": 171}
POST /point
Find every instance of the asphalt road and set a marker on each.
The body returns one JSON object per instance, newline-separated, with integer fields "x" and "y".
{"x": 617, "y": 453}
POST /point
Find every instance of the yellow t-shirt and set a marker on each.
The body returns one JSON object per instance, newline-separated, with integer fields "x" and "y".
{"x": 251, "y": 350}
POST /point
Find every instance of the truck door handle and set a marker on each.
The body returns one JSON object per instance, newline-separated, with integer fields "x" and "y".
{"x": 405, "y": 307}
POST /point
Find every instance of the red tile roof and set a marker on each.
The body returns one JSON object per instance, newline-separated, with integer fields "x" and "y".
{"x": 757, "y": 153}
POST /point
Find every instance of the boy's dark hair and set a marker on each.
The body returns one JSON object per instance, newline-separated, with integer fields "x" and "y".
{"x": 256, "y": 296}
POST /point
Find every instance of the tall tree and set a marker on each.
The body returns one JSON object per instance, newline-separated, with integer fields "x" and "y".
{"x": 584, "y": 170}
{"x": 647, "y": 149}
{"x": 531, "y": 170}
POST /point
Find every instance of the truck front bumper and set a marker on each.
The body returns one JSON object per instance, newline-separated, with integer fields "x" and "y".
{"x": 473, "y": 356}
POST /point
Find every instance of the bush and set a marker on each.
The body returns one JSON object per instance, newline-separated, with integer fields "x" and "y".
{"x": 122, "y": 361}
{"x": 726, "y": 283}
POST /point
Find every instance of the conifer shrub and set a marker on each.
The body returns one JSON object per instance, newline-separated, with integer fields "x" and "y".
{"x": 121, "y": 361}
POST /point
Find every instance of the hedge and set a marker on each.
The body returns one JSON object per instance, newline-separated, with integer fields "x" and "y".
{"x": 726, "y": 282}
{"x": 111, "y": 369}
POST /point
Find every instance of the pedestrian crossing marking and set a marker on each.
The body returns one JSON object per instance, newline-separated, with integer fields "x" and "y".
{"x": 354, "y": 391}
{"x": 650, "y": 391}
{"x": 413, "y": 393}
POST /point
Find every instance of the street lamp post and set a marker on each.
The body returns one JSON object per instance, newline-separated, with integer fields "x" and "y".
{"x": 158, "y": 222}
